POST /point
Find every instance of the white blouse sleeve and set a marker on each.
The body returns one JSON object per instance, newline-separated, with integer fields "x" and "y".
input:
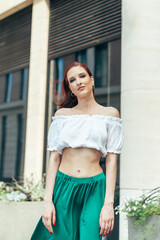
{"x": 53, "y": 136}
{"x": 115, "y": 137}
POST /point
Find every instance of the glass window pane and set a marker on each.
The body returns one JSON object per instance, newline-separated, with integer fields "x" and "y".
{"x": 59, "y": 74}
{"x": 91, "y": 59}
{"x": 3, "y": 84}
{"x": 24, "y": 83}
{"x": 16, "y": 85}
{"x": 2, "y": 142}
{"x": 20, "y": 139}
{"x": 11, "y": 141}
{"x": 67, "y": 60}
{"x": 115, "y": 74}
{"x": 10, "y": 147}
{"x": 115, "y": 62}
{"x": 81, "y": 57}
{"x": 101, "y": 65}
{"x": 61, "y": 65}
{"x": 8, "y": 88}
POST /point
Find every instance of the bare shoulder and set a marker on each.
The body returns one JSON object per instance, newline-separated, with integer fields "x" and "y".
{"x": 60, "y": 111}
{"x": 112, "y": 111}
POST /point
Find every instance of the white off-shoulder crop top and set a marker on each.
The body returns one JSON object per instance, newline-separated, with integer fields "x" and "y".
{"x": 104, "y": 133}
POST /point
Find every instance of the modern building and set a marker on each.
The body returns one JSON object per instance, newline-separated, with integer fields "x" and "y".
{"x": 119, "y": 41}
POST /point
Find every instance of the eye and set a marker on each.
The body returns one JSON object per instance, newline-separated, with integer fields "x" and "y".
{"x": 82, "y": 75}
{"x": 72, "y": 80}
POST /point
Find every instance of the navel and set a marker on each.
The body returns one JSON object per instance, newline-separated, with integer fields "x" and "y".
{"x": 78, "y": 170}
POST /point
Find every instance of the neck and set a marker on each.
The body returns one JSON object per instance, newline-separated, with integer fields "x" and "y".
{"x": 86, "y": 104}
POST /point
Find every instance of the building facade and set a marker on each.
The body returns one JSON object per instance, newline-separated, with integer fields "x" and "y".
{"x": 38, "y": 39}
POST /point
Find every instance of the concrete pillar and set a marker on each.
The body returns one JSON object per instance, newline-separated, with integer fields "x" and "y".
{"x": 34, "y": 147}
{"x": 140, "y": 99}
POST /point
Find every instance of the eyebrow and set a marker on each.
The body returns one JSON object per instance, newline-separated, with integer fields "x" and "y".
{"x": 78, "y": 74}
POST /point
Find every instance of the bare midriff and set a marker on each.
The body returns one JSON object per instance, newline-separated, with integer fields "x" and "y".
{"x": 80, "y": 162}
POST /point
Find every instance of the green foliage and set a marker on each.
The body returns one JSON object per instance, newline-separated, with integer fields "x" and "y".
{"x": 148, "y": 204}
{"x": 29, "y": 189}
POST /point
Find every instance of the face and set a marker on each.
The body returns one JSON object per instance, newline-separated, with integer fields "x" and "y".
{"x": 78, "y": 77}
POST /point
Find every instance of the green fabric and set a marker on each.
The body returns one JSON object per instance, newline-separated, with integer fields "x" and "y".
{"x": 78, "y": 203}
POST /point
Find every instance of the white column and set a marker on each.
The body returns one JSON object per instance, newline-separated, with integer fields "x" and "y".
{"x": 34, "y": 147}
{"x": 140, "y": 99}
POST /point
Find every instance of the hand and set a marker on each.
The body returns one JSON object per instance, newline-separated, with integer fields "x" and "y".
{"x": 106, "y": 220}
{"x": 49, "y": 214}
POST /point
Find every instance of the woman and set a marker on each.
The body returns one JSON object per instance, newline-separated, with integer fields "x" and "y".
{"x": 79, "y": 198}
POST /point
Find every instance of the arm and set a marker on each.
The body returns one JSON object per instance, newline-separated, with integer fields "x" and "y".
{"x": 49, "y": 209}
{"x": 107, "y": 213}
{"x": 111, "y": 174}
{"x": 54, "y": 163}
{"x": 111, "y": 169}
{"x": 53, "y": 167}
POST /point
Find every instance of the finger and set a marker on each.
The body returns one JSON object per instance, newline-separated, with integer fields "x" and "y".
{"x": 107, "y": 227}
{"x": 44, "y": 219}
{"x": 47, "y": 223}
{"x": 100, "y": 221}
{"x": 112, "y": 225}
{"x": 49, "y": 226}
{"x": 102, "y": 228}
{"x": 54, "y": 218}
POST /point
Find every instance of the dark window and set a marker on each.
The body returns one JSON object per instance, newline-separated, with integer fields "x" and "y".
{"x": 3, "y": 84}
{"x": 16, "y": 86}
{"x": 11, "y": 146}
{"x": 24, "y": 75}
{"x": 12, "y": 121}
{"x": 115, "y": 62}
{"x": 114, "y": 69}
{"x": 8, "y": 88}
{"x": 13, "y": 86}
{"x": 20, "y": 138}
{"x": 101, "y": 66}
{"x": 3, "y": 142}
{"x": 82, "y": 56}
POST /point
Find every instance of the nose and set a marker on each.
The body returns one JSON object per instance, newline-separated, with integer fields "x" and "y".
{"x": 78, "y": 81}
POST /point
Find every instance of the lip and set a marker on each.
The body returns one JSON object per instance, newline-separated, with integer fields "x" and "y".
{"x": 81, "y": 87}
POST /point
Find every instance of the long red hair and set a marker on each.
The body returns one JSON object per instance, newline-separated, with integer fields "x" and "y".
{"x": 68, "y": 101}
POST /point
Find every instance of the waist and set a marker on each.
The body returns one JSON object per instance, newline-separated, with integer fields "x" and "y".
{"x": 80, "y": 165}
{"x": 80, "y": 179}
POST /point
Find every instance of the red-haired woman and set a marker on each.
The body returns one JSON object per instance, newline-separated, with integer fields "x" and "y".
{"x": 79, "y": 197}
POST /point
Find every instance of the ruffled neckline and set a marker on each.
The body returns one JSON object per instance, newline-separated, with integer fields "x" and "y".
{"x": 88, "y": 116}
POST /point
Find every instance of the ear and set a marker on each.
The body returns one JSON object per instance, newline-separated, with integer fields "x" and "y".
{"x": 92, "y": 79}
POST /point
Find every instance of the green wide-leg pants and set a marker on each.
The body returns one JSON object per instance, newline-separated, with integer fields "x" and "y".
{"x": 78, "y": 203}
